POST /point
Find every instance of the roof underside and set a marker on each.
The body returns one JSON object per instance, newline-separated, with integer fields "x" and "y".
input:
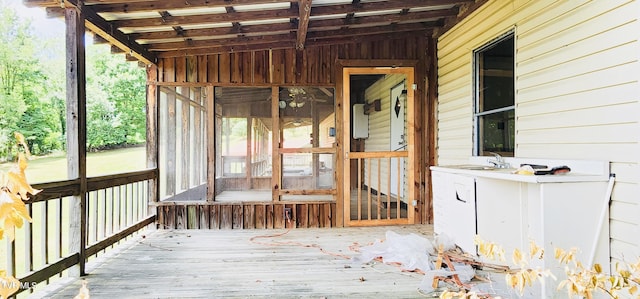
{"x": 169, "y": 28}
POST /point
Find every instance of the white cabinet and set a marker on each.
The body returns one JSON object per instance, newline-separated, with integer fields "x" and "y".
{"x": 554, "y": 211}
{"x": 454, "y": 208}
{"x": 553, "y": 215}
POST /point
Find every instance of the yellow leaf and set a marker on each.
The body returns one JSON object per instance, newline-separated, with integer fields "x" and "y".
{"x": 21, "y": 141}
{"x": 447, "y": 295}
{"x": 17, "y": 182}
{"x": 521, "y": 283}
{"x": 8, "y": 285}
{"x": 517, "y": 257}
{"x": 558, "y": 252}
{"x": 535, "y": 251}
{"x": 633, "y": 289}
{"x": 511, "y": 280}
{"x": 597, "y": 268}
{"x": 84, "y": 291}
{"x": 12, "y": 213}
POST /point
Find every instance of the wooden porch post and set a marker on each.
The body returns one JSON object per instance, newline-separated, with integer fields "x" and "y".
{"x": 152, "y": 135}
{"x": 339, "y": 173}
{"x": 76, "y": 132}
{"x": 211, "y": 145}
{"x": 247, "y": 158}
{"x": 276, "y": 160}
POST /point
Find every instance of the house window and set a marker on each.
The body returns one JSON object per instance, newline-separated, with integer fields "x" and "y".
{"x": 494, "y": 111}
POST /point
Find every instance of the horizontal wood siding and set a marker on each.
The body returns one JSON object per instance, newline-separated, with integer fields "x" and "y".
{"x": 245, "y": 215}
{"x": 577, "y": 91}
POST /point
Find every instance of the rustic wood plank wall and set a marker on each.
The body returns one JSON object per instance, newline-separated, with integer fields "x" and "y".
{"x": 262, "y": 215}
{"x": 313, "y": 66}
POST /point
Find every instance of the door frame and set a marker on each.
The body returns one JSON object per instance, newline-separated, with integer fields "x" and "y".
{"x": 345, "y": 69}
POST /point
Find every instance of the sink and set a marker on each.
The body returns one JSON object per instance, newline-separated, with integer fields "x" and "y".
{"x": 471, "y": 167}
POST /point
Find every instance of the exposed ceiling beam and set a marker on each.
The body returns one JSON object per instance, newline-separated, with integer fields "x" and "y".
{"x": 290, "y": 44}
{"x": 316, "y": 26}
{"x": 228, "y": 49}
{"x": 195, "y": 33}
{"x": 248, "y": 40}
{"x": 41, "y": 3}
{"x": 379, "y": 6}
{"x": 173, "y": 4}
{"x": 393, "y": 28}
{"x": 367, "y": 38}
{"x": 99, "y": 26}
{"x": 412, "y": 16}
{"x": 304, "y": 8}
{"x": 207, "y": 19}
{"x": 171, "y": 28}
{"x": 289, "y": 37}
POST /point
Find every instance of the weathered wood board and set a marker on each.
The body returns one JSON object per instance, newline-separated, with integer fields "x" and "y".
{"x": 216, "y": 264}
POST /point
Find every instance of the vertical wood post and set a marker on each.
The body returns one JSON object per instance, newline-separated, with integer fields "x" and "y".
{"x": 211, "y": 144}
{"x": 185, "y": 143}
{"x": 315, "y": 135}
{"x": 76, "y": 131}
{"x": 152, "y": 135}
{"x": 170, "y": 144}
{"x": 276, "y": 159}
{"x": 430, "y": 109}
{"x": 342, "y": 139}
{"x": 247, "y": 158}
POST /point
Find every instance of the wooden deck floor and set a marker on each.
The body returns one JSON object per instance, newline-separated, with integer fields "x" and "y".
{"x": 227, "y": 263}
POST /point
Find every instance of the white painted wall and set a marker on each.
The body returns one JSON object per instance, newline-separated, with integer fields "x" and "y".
{"x": 577, "y": 91}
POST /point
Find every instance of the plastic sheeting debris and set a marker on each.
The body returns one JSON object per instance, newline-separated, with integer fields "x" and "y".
{"x": 410, "y": 251}
{"x": 413, "y": 252}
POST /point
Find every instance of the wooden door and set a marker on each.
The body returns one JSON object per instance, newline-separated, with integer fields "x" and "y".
{"x": 370, "y": 197}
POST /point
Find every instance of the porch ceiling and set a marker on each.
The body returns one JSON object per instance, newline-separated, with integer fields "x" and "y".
{"x": 151, "y": 29}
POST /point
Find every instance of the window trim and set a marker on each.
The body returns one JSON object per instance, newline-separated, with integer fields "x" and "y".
{"x": 476, "y": 87}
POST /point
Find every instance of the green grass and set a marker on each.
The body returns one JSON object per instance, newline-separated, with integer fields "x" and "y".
{"x": 54, "y": 167}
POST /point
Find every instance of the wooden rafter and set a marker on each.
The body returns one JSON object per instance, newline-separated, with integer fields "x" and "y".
{"x": 248, "y": 40}
{"x": 287, "y": 38}
{"x": 304, "y": 8}
{"x": 104, "y": 6}
{"x": 207, "y": 19}
{"x": 197, "y": 33}
{"x": 150, "y": 29}
{"x": 319, "y": 34}
{"x": 101, "y": 27}
{"x": 289, "y": 44}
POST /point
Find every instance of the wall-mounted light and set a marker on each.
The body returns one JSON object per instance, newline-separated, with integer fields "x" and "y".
{"x": 403, "y": 95}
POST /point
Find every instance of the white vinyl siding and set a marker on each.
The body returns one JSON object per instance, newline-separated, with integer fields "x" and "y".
{"x": 380, "y": 129}
{"x": 577, "y": 91}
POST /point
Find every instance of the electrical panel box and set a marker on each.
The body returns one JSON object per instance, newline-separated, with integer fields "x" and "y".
{"x": 360, "y": 122}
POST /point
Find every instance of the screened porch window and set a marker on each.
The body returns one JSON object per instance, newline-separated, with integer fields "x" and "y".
{"x": 494, "y": 112}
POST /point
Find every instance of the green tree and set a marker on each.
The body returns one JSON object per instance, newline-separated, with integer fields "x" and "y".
{"x": 22, "y": 83}
{"x": 32, "y": 91}
{"x": 104, "y": 128}
{"x": 123, "y": 84}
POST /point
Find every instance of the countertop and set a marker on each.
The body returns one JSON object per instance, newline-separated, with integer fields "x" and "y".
{"x": 507, "y": 174}
{"x": 581, "y": 170}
